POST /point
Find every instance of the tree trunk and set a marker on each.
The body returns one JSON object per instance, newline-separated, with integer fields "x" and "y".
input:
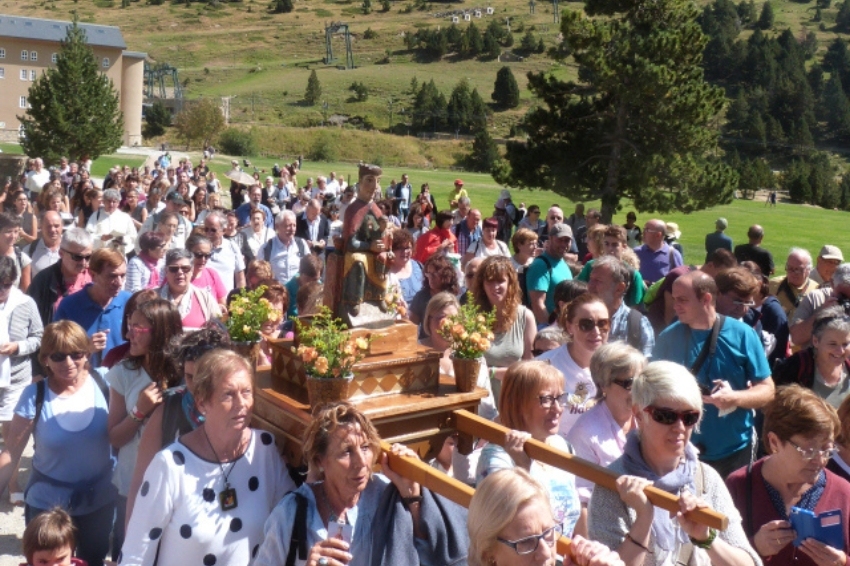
{"x": 610, "y": 198}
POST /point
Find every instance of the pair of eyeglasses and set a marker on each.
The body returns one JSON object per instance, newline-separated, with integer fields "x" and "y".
{"x": 796, "y": 269}
{"x": 546, "y": 401}
{"x": 139, "y": 329}
{"x": 199, "y": 255}
{"x": 79, "y": 258}
{"x": 740, "y": 303}
{"x": 528, "y": 545}
{"x": 624, "y": 383}
{"x": 61, "y": 356}
{"x": 179, "y": 268}
{"x": 669, "y": 416}
{"x": 812, "y": 453}
{"x": 588, "y": 324}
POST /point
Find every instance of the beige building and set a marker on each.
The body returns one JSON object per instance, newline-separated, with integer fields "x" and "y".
{"x": 28, "y": 46}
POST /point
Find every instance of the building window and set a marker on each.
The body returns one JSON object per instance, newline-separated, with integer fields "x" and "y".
{"x": 2, "y": 125}
{"x": 24, "y": 74}
{"x": 33, "y": 55}
{"x": 2, "y": 53}
{"x": 32, "y": 75}
{"x": 22, "y": 103}
{"x": 25, "y": 55}
{"x": 106, "y": 62}
{"x": 54, "y": 57}
{"x": 2, "y": 73}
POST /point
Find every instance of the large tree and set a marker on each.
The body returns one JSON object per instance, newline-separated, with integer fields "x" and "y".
{"x": 201, "y": 120}
{"x": 73, "y": 108}
{"x": 640, "y": 123}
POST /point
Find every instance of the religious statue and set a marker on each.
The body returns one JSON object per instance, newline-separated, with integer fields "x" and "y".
{"x": 366, "y": 248}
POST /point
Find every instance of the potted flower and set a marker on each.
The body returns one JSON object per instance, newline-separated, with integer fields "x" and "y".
{"x": 247, "y": 313}
{"x": 470, "y": 333}
{"x": 328, "y": 352}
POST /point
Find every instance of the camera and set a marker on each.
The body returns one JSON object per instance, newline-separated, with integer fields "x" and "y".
{"x": 844, "y": 302}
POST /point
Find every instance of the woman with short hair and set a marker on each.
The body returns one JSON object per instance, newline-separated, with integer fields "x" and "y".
{"x": 144, "y": 270}
{"x": 195, "y": 305}
{"x": 439, "y": 240}
{"x": 667, "y": 405}
{"x": 406, "y": 271}
{"x": 440, "y": 275}
{"x": 488, "y": 245}
{"x": 524, "y": 242}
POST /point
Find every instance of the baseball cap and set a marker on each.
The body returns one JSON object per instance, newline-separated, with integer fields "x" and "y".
{"x": 831, "y": 252}
{"x": 560, "y": 230}
{"x": 175, "y": 198}
{"x": 459, "y": 182}
{"x": 721, "y": 223}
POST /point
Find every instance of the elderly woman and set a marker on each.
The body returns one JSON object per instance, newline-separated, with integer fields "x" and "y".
{"x": 204, "y": 277}
{"x": 135, "y": 389}
{"x": 72, "y": 467}
{"x": 341, "y": 447}
{"x": 823, "y": 367}
{"x": 524, "y": 242}
{"x": 511, "y": 524}
{"x": 531, "y": 404}
{"x": 205, "y": 498}
{"x": 194, "y": 304}
{"x": 144, "y": 270}
{"x": 488, "y": 245}
{"x": 586, "y": 322}
{"x": 406, "y": 270}
{"x": 799, "y": 437}
{"x": 257, "y": 232}
{"x": 440, "y": 275}
{"x": 667, "y": 404}
{"x": 111, "y": 227}
{"x": 20, "y": 337}
{"x": 599, "y": 435}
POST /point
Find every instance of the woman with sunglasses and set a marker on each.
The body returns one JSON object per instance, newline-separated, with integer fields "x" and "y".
{"x": 667, "y": 404}
{"x": 823, "y": 367}
{"x": 586, "y": 322}
{"x": 195, "y": 305}
{"x": 531, "y": 404}
{"x": 799, "y": 436}
{"x": 599, "y": 435}
{"x": 511, "y": 524}
{"x": 66, "y": 413}
{"x": 144, "y": 270}
{"x": 135, "y": 389}
{"x": 202, "y": 276}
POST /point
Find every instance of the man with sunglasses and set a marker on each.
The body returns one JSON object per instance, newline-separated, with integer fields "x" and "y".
{"x": 68, "y": 275}
{"x": 727, "y": 358}
{"x": 227, "y": 258}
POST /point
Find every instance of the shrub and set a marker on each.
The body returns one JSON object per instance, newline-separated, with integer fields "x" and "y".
{"x": 234, "y": 141}
{"x": 324, "y": 148}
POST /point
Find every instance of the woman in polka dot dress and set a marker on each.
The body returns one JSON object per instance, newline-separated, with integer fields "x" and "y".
{"x": 205, "y": 498}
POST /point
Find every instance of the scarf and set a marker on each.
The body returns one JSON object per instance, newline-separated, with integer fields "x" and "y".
{"x": 665, "y": 529}
{"x": 16, "y": 299}
{"x": 185, "y": 304}
{"x": 151, "y": 264}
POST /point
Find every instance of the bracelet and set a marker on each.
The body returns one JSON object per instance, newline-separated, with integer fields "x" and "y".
{"x": 408, "y": 501}
{"x": 706, "y": 544}
{"x": 137, "y": 415}
{"x": 636, "y": 543}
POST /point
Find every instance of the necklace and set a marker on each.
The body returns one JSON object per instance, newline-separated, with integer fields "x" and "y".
{"x": 227, "y": 496}
{"x": 333, "y": 518}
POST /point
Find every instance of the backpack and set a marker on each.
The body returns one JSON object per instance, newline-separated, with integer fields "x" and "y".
{"x": 41, "y": 393}
{"x": 267, "y": 249}
{"x": 633, "y": 328}
{"x": 523, "y": 283}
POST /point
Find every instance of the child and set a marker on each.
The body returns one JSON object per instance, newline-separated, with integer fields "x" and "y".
{"x": 49, "y": 540}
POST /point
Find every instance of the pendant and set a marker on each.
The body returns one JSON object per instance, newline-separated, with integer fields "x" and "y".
{"x": 227, "y": 498}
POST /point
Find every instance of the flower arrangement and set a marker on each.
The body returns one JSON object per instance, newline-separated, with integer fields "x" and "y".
{"x": 470, "y": 331}
{"x": 247, "y": 313}
{"x": 326, "y": 348}
{"x": 395, "y": 302}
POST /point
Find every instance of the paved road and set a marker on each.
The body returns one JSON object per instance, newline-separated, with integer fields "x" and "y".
{"x": 12, "y": 520}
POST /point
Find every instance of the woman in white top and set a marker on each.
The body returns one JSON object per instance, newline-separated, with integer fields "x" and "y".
{"x": 586, "y": 322}
{"x": 256, "y": 232}
{"x": 488, "y": 245}
{"x": 167, "y": 224}
{"x": 524, "y": 242}
{"x": 110, "y": 227}
{"x": 133, "y": 393}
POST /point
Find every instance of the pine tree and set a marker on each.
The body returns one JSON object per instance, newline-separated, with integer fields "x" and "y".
{"x": 479, "y": 112}
{"x": 485, "y": 152}
{"x": 505, "y": 90}
{"x": 842, "y": 19}
{"x": 73, "y": 109}
{"x": 638, "y": 123}
{"x": 367, "y": 6}
{"x": 460, "y": 107}
{"x": 314, "y": 90}
{"x": 157, "y": 118}
{"x": 282, "y": 6}
{"x": 766, "y": 18}
{"x": 492, "y": 49}
{"x": 836, "y": 107}
{"x": 529, "y": 42}
{"x": 475, "y": 42}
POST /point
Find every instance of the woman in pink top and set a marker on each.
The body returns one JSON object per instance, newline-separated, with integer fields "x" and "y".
{"x": 195, "y": 305}
{"x": 203, "y": 277}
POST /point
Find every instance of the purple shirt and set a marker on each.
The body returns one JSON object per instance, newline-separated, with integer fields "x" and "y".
{"x": 655, "y": 265}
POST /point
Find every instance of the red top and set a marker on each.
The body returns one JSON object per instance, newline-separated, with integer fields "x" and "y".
{"x": 428, "y": 243}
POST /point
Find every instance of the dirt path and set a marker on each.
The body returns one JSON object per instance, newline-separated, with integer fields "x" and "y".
{"x": 12, "y": 520}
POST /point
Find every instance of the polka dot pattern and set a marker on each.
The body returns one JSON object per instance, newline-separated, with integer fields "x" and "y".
{"x": 186, "y": 531}
{"x": 209, "y": 495}
{"x": 146, "y": 487}
{"x": 253, "y": 483}
{"x": 155, "y": 533}
{"x": 179, "y": 458}
{"x": 236, "y": 525}
{"x": 266, "y": 438}
{"x": 255, "y": 551}
{"x": 209, "y": 560}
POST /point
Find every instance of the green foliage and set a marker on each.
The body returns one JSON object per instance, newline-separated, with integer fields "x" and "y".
{"x": 73, "y": 108}
{"x": 326, "y": 347}
{"x": 314, "y": 90}
{"x": 485, "y": 152}
{"x": 247, "y": 313}
{"x": 811, "y": 180}
{"x": 529, "y": 42}
{"x": 640, "y": 123}
{"x": 505, "y": 90}
{"x": 492, "y": 48}
{"x": 747, "y": 12}
{"x": 755, "y": 175}
{"x": 234, "y": 141}
{"x": 460, "y": 107}
{"x": 367, "y": 6}
{"x": 385, "y": 5}
{"x": 370, "y": 34}
{"x": 766, "y": 18}
{"x": 281, "y": 6}
{"x": 157, "y": 118}
{"x": 429, "y": 109}
{"x": 200, "y": 121}
{"x": 324, "y": 148}
{"x": 842, "y": 19}
{"x": 361, "y": 93}
{"x": 836, "y": 107}
{"x": 480, "y": 112}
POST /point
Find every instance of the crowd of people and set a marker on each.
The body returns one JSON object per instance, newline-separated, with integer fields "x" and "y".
{"x": 712, "y": 379}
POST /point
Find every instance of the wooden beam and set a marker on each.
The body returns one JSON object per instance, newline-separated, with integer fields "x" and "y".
{"x": 482, "y": 428}
{"x": 438, "y": 482}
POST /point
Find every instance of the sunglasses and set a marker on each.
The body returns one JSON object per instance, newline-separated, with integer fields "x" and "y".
{"x": 199, "y": 255}
{"x": 588, "y": 324}
{"x": 61, "y": 356}
{"x": 669, "y": 416}
{"x": 624, "y": 383}
{"x": 78, "y": 257}
{"x": 139, "y": 329}
{"x": 178, "y": 268}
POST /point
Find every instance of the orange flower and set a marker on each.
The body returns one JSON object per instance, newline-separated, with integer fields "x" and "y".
{"x": 321, "y": 364}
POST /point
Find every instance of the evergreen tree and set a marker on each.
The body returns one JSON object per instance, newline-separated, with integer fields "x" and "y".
{"x": 367, "y": 6}
{"x": 842, "y": 19}
{"x": 485, "y": 152}
{"x": 453, "y": 35}
{"x": 747, "y": 12}
{"x": 157, "y": 118}
{"x": 281, "y": 6}
{"x": 505, "y": 90}
{"x": 639, "y": 123}
{"x": 529, "y": 42}
{"x": 478, "y": 112}
{"x": 795, "y": 180}
{"x": 474, "y": 40}
{"x": 844, "y": 192}
{"x": 509, "y": 40}
{"x": 766, "y": 18}
{"x": 314, "y": 90}
{"x": 492, "y": 49}
{"x": 460, "y": 107}
{"x": 836, "y": 107}
{"x": 73, "y": 109}
{"x": 429, "y": 108}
